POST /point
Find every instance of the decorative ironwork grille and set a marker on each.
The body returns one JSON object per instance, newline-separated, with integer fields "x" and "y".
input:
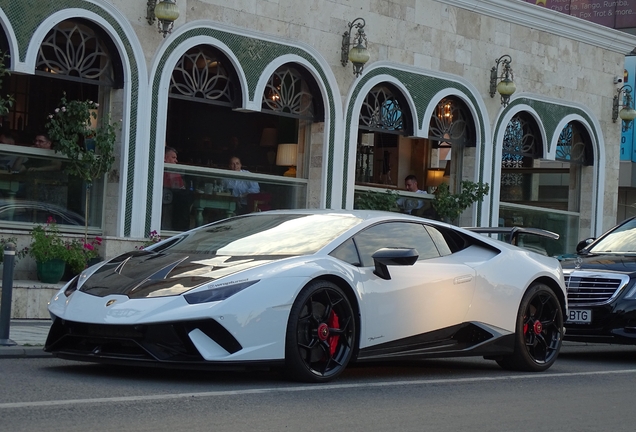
{"x": 287, "y": 93}
{"x": 448, "y": 124}
{"x": 519, "y": 142}
{"x": 201, "y": 75}
{"x": 381, "y": 111}
{"x": 570, "y": 147}
{"x": 74, "y": 50}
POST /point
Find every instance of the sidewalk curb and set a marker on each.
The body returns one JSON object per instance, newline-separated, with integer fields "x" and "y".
{"x": 20, "y": 351}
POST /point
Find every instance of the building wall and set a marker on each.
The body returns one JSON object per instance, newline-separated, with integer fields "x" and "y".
{"x": 563, "y": 66}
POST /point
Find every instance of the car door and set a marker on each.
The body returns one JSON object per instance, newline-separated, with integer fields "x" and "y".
{"x": 434, "y": 293}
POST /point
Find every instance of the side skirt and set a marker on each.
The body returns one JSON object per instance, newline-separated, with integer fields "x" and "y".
{"x": 466, "y": 339}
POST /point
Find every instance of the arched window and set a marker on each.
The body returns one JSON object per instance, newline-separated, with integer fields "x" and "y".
{"x": 76, "y": 52}
{"x": 78, "y": 60}
{"x": 451, "y": 124}
{"x": 381, "y": 121}
{"x": 230, "y": 161}
{"x": 288, "y": 94}
{"x": 382, "y": 111}
{"x": 574, "y": 145}
{"x": 451, "y": 131}
{"x": 541, "y": 193}
{"x": 201, "y": 74}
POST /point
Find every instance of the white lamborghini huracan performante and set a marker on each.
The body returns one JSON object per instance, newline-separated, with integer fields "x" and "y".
{"x": 310, "y": 291}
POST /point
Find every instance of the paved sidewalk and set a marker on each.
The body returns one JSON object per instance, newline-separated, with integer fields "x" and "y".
{"x": 29, "y": 336}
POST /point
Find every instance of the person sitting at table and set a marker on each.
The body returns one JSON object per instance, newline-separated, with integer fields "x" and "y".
{"x": 177, "y": 201}
{"x": 41, "y": 141}
{"x": 240, "y": 188}
{"x": 407, "y": 205}
{"x": 172, "y": 180}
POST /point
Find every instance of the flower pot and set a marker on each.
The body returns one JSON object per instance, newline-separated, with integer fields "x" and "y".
{"x": 50, "y": 271}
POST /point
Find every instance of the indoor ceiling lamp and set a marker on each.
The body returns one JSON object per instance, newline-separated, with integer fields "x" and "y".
{"x": 506, "y": 87}
{"x": 359, "y": 54}
{"x": 166, "y": 12}
{"x": 627, "y": 113}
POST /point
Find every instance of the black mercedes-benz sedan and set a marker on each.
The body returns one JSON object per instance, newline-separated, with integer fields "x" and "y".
{"x": 601, "y": 286}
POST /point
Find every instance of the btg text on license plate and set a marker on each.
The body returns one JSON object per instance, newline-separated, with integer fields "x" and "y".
{"x": 579, "y": 316}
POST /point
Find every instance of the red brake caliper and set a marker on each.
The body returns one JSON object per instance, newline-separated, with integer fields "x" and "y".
{"x": 333, "y": 339}
{"x": 537, "y": 327}
{"x": 324, "y": 335}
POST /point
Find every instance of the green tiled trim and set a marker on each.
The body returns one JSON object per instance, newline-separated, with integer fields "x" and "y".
{"x": 421, "y": 88}
{"x": 27, "y": 15}
{"x": 550, "y": 115}
{"x": 253, "y": 56}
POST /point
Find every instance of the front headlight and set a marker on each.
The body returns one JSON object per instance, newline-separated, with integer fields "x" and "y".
{"x": 217, "y": 293}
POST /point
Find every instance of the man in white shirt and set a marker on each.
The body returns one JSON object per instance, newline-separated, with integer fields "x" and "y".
{"x": 240, "y": 188}
{"x": 409, "y": 204}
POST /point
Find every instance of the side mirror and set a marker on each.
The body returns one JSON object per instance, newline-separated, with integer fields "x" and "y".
{"x": 392, "y": 256}
{"x": 583, "y": 244}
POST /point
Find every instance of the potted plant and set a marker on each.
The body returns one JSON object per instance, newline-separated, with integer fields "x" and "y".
{"x": 82, "y": 254}
{"x": 90, "y": 148}
{"x": 449, "y": 205}
{"x": 49, "y": 251}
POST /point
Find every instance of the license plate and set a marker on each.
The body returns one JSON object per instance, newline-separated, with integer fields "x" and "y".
{"x": 579, "y": 316}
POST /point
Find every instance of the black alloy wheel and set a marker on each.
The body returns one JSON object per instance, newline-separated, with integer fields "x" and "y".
{"x": 320, "y": 333}
{"x": 539, "y": 332}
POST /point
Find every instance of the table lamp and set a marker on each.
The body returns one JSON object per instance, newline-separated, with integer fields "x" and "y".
{"x": 286, "y": 156}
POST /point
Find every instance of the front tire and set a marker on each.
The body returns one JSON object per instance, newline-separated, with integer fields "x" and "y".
{"x": 320, "y": 333}
{"x": 539, "y": 331}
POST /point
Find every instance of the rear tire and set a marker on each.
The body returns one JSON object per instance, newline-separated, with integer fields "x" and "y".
{"x": 539, "y": 331}
{"x": 320, "y": 333}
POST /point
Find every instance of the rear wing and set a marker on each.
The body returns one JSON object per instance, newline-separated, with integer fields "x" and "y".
{"x": 513, "y": 233}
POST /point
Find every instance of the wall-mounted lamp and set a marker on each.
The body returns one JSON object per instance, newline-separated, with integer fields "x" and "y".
{"x": 627, "y": 114}
{"x": 166, "y": 11}
{"x": 506, "y": 87}
{"x": 359, "y": 54}
{"x": 286, "y": 156}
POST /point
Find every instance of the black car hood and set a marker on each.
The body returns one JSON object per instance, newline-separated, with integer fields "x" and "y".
{"x": 142, "y": 274}
{"x": 605, "y": 262}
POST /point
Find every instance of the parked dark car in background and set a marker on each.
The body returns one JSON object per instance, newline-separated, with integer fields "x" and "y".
{"x": 600, "y": 280}
{"x": 37, "y": 212}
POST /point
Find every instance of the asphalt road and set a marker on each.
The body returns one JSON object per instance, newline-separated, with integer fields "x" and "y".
{"x": 590, "y": 388}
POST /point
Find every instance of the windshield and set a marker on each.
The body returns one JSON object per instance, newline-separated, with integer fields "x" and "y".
{"x": 621, "y": 240}
{"x": 266, "y": 235}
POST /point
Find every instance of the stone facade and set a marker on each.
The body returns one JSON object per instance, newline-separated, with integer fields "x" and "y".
{"x": 563, "y": 70}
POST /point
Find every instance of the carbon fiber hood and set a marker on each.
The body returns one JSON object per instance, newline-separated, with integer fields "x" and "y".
{"x": 143, "y": 274}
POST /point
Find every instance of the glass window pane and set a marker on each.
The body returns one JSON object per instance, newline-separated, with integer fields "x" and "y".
{"x": 395, "y": 235}
{"x": 37, "y": 187}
